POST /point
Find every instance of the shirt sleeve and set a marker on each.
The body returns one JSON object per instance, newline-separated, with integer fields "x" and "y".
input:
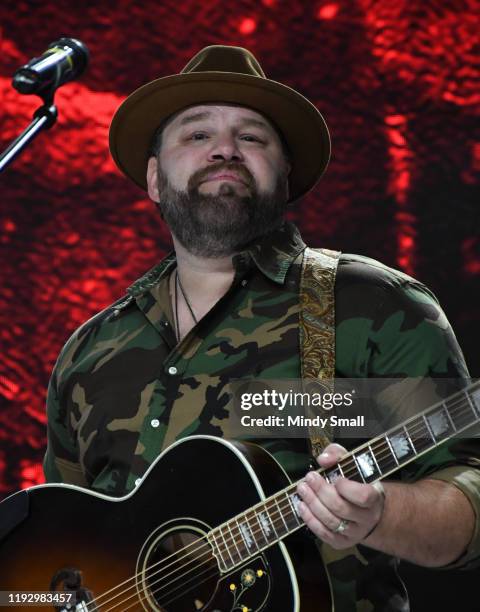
{"x": 61, "y": 463}
{"x": 413, "y": 345}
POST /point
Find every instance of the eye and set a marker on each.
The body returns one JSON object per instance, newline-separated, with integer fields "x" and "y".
{"x": 254, "y": 139}
{"x": 198, "y": 136}
{"x": 250, "y": 138}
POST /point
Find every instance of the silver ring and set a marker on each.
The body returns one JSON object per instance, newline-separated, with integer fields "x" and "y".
{"x": 342, "y": 525}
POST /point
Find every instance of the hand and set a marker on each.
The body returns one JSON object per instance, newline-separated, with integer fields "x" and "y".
{"x": 324, "y": 507}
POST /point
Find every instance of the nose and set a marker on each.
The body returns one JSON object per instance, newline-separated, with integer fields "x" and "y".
{"x": 225, "y": 147}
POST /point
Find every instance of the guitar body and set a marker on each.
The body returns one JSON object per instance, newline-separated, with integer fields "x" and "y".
{"x": 61, "y": 537}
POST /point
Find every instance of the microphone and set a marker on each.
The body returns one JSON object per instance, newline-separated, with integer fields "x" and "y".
{"x": 63, "y": 61}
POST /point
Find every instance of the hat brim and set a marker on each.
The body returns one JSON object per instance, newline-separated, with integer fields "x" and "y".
{"x": 300, "y": 122}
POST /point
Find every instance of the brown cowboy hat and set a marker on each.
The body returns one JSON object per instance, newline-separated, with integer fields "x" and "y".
{"x": 222, "y": 74}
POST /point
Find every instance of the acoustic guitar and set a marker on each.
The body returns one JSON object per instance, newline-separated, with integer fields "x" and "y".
{"x": 212, "y": 527}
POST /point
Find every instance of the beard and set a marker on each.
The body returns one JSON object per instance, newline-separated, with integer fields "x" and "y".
{"x": 221, "y": 224}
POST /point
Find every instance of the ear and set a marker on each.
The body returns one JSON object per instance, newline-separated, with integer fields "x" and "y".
{"x": 288, "y": 166}
{"x": 152, "y": 179}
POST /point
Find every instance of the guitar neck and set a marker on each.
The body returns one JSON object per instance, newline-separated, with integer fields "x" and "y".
{"x": 273, "y": 519}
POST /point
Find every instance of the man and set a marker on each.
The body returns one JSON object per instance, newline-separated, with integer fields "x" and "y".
{"x": 222, "y": 150}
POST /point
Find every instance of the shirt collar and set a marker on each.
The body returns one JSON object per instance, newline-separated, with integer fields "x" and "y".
{"x": 273, "y": 255}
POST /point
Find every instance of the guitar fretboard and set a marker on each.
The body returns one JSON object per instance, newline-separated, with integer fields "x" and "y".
{"x": 276, "y": 517}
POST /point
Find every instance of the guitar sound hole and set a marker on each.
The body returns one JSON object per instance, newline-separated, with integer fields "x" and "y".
{"x": 178, "y": 570}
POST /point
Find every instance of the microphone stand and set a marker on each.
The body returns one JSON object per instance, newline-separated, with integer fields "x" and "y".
{"x": 43, "y": 119}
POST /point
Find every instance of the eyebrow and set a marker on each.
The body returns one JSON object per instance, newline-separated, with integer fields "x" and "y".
{"x": 254, "y": 123}
{"x": 195, "y": 117}
{"x": 248, "y": 121}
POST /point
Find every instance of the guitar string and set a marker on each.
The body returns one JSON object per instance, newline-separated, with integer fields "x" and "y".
{"x": 167, "y": 603}
{"x": 233, "y": 539}
{"x": 142, "y": 597}
{"x": 228, "y": 546}
{"x": 350, "y": 467}
{"x": 139, "y": 574}
{"x": 419, "y": 426}
{"x": 182, "y": 576}
{"x": 211, "y": 557}
{"x": 227, "y": 549}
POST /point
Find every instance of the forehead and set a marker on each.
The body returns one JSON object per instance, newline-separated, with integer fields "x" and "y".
{"x": 230, "y": 113}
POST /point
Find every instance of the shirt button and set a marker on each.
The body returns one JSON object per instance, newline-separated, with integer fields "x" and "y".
{"x": 244, "y": 283}
{"x": 138, "y": 481}
{"x": 155, "y": 423}
{"x": 172, "y": 370}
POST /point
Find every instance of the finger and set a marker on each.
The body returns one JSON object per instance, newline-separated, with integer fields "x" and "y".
{"x": 331, "y": 455}
{"x": 317, "y": 508}
{"x": 361, "y": 495}
{"x": 316, "y": 526}
{"x": 338, "y": 541}
{"x": 328, "y": 495}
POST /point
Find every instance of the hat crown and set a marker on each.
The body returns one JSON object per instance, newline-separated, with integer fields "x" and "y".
{"x": 229, "y": 75}
{"x": 220, "y": 58}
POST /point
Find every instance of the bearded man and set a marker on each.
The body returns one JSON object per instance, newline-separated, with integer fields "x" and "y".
{"x": 222, "y": 151}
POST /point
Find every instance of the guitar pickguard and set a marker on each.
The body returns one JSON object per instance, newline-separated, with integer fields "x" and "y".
{"x": 176, "y": 570}
{"x": 249, "y": 587}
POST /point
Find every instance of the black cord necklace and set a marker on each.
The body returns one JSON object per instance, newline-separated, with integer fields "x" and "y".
{"x": 179, "y": 284}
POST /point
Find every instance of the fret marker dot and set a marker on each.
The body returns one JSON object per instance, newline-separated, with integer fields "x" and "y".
{"x": 172, "y": 370}
{"x": 154, "y": 423}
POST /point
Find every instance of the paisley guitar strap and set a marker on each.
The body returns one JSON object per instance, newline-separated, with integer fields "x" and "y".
{"x": 317, "y": 330}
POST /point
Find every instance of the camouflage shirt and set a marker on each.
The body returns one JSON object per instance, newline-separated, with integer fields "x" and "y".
{"x": 123, "y": 389}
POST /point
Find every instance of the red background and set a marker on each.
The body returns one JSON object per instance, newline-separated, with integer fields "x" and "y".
{"x": 397, "y": 81}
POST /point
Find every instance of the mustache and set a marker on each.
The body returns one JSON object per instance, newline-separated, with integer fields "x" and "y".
{"x": 199, "y": 175}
